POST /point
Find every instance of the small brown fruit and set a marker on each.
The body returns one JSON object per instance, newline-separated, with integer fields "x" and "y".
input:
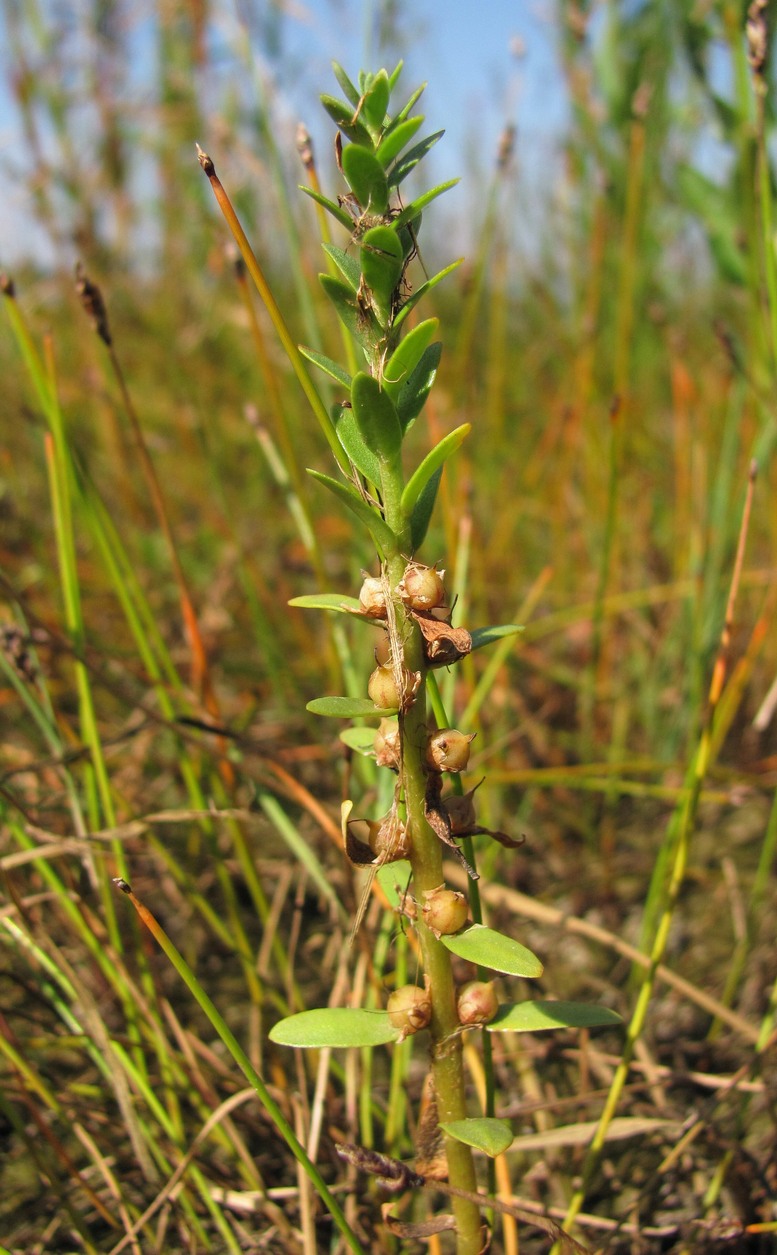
{"x": 421, "y": 587}
{"x": 477, "y": 1002}
{"x": 409, "y": 1009}
{"x": 444, "y": 911}
{"x": 448, "y": 750}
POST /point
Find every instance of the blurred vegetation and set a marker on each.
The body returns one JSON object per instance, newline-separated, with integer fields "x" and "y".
{"x": 620, "y": 376}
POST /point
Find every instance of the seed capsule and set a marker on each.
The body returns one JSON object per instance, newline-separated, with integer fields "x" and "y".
{"x": 421, "y": 587}
{"x": 409, "y": 1009}
{"x": 382, "y": 688}
{"x": 477, "y": 1002}
{"x": 448, "y": 750}
{"x": 444, "y": 911}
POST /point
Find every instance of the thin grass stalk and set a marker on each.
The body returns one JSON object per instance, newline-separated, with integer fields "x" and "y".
{"x": 687, "y": 821}
{"x": 245, "y": 1065}
{"x": 271, "y": 305}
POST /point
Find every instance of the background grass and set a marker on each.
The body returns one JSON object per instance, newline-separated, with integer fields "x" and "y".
{"x": 620, "y": 378}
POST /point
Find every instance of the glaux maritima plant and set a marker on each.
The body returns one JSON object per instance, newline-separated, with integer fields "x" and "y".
{"x": 370, "y": 290}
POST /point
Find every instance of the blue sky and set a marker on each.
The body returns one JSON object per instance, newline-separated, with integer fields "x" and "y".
{"x": 485, "y": 64}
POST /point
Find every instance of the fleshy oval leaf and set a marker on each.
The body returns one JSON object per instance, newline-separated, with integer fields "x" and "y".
{"x": 330, "y": 367}
{"x": 359, "y": 321}
{"x": 402, "y": 168}
{"x": 535, "y": 1017}
{"x": 359, "y": 739}
{"x": 423, "y": 510}
{"x": 376, "y": 100}
{"x": 347, "y": 708}
{"x": 377, "y": 526}
{"x": 488, "y": 948}
{"x": 327, "y": 601}
{"x": 334, "y": 1027}
{"x": 382, "y": 260}
{"x": 407, "y": 355}
{"x": 358, "y": 449}
{"x": 342, "y": 115}
{"x": 346, "y": 264}
{"x": 492, "y": 1137}
{"x": 487, "y": 635}
{"x": 367, "y": 179}
{"x": 377, "y": 420}
{"x": 337, "y": 211}
{"x": 395, "y": 138}
{"x": 432, "y": 462}
{"x": 422, "y": 291}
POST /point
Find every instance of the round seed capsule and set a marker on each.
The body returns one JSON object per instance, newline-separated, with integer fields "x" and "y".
{"x": 372, "y": 598}
{"x": 448, "y": 750}
{"x": 409, "y": 1009}
{"x": 477, "y": 1002}
{"x": 421, "y": 587}
{"x": 444, "y": 911}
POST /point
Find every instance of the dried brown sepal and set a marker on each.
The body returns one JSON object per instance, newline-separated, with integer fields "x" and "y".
{"x": 305, "y": 146}
{"x": 92, "y": 301}
{"x": 357, "y": 851}
{"x": 372, "y": 598}
{"x": 392, "y": 1174}
{"x": 387, "y": 744}
{"x": 430, "y": 1157}
{"x": 443, "y": 645}
{"x": 389, "y": 839}
{"x": 206, "y": 162}
{"x": 437, "y": 818}
{"x": 421, "y": 1229}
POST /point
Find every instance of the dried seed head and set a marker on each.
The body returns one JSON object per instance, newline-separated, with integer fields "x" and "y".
{"x": 477, "y": 1002}
{"x": 386, "y": 744}
{"x": 444, "y": 911}
{"x": 409, "y": 1009}
{"x": 421, "y": 587}
{"x": 372, "y": 598}
{"x": 448, "y": 750}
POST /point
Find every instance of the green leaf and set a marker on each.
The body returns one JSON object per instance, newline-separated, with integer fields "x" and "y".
{"x": 415, "y": 390}
{"x": 410, "y": 211}
{"x": 395, "y": 138}
{"x": 376, "y": 100}
{"x": 411, "y": 159}
{"x": 424, "y": 288}
{"x": 487, "y": 635}
{"x": 382, "y": 262}
{"x": 352, "y": 440}
{"x": 534, "y": 1017}
{"x": 423, "y": 510}
{"x": 366, "y": 178}
{"x": 488, "y": 948}
{"x": 491, "y": 1136}
{"x": 394, "y": 75}
{"x": 334, "y": 209}
{"x": 380, "y": 531}
{"x": 407, "y": 355}
{"x": 376, "y": 417}
{"x": 360, "y": 739}
{"x": 347, "y": 708}
{"x": 334, "y": 1027}
{"x": 327, "y": 365}
{"x": 415, "y": 97}
{"x": 358, "y": 320}
{"x": 326, "y": 601}
{"x": 431, "y": 463}
{"x": 342, "y": 115}
{"x": 346, "y": 86}
{"x": 346, "y": 264}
